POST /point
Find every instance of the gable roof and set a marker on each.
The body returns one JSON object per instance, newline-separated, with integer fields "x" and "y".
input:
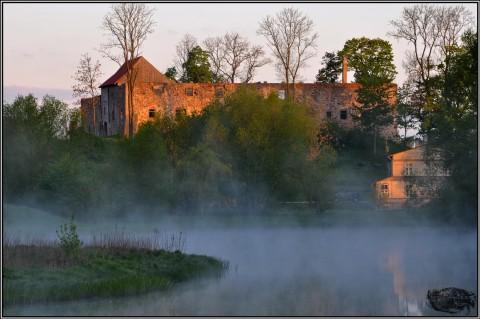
{"x": 146, "y": 73}
{"x": 118, "y": 75}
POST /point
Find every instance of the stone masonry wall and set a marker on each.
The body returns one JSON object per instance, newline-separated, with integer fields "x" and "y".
{"x": 319, "y": 98}
{"x": 152, "y": 98}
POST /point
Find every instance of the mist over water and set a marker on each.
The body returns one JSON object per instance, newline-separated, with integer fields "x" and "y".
{"x": 291, "y": 269}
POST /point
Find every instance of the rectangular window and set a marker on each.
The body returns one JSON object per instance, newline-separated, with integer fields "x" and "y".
{"x": 408, "y": 170}
{"x": 343, "y": 114}
{"x": 329, "y": 114}
{"x": 219, "y": 93}
{"x": 151, "y": 113}
{"x": 281, "y": 94}
{"x": 189, "y": 91}
{"x": 384, "y": 190}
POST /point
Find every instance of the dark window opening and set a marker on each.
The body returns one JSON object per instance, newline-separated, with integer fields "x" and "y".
{"x": 219, "y": 93}
{"x": 343, "y": 114}
{"x": 151, "y": 113}
{"x": 180, "y": 112}
{"x": 105, "y": 128}
{"x": 113, "y": 115}
{"x": 409, "y": 191}
{"x": 329, "y": 114}
{"x": 189, "y": 91}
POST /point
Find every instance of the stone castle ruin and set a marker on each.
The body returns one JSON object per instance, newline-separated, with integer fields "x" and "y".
{"x": 154, "y": 93}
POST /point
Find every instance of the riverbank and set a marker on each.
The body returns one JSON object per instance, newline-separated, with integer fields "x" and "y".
{"x": 42, "y": 273}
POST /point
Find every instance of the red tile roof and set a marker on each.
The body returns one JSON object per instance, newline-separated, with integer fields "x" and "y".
{"x": 120, "y": 72}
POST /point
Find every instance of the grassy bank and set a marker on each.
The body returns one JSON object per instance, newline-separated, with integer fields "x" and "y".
{"x": 42, "y": 273}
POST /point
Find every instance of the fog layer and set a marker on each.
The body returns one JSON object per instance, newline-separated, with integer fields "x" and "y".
{"x": 297, "y": 270}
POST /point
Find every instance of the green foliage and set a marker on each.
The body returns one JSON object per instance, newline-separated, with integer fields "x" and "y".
{"x": 171, "y": 73}
{"x": 453, "y": 126}
{"x": 197, "y": 67}
{"x": 372, "y": 61}
{"x": 271, "y": 142}
{"x": 104, "y": 273}
{"x": 244, "y": 151}
{"x": 68, "y": 237}
{"x": 32, "y": 134}
{"x": 332, "y": 68}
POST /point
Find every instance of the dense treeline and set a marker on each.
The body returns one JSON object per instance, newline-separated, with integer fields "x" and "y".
{"x": 452, "y": 125}
{"x": 245, "y": 153}
{"x": 251, "y": 152}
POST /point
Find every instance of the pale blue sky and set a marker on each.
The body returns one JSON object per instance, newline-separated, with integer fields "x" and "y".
{"x": 43, "y": 42}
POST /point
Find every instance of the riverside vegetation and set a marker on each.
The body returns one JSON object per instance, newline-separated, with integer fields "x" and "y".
{"x": 113, "y": 264}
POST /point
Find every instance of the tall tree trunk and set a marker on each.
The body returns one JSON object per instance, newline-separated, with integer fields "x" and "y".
{"x": 287, "y": 82}
{"x": 130, "y": 111}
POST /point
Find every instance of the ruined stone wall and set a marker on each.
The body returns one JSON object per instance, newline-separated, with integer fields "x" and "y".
{"x": 89, "y": 107}
{"x": 112, "y": 109}
{"x": 333, "y": 101}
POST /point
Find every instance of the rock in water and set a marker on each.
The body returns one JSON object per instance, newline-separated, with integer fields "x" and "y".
{"x": 451, "y": 300}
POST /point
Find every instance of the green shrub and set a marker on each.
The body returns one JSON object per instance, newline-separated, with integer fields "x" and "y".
{"x": 68, "y": 238}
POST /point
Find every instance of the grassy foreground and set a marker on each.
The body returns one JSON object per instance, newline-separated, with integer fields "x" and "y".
{"x": 42, "y": 273}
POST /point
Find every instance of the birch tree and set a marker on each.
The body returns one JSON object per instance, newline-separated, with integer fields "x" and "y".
{"x": 86, "y": 84}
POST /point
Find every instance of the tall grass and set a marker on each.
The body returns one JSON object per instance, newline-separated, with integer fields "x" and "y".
{"x": 35, "y": 252}
{"x": 109, "y": 264}
{"x": 123, "y": 240}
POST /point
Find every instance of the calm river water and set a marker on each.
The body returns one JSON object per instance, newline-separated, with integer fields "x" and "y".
{"x": 279, "y": 270}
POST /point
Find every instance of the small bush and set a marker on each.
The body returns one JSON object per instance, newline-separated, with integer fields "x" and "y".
{"x": 68, "y": 238}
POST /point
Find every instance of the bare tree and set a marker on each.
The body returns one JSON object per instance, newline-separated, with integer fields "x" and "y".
{"x": 236, "y": 52}
{"x": 127, "y": 25}
{"x": 291, "y": 38}
{"x": 431, "y": 31}
{"x": 186, "y": 44}
{"x": 232, "y": 56}
{"x": 254, "y": 61}
{"x": 86, "y": 84}
{"x": 452, "y": 21}
{"x": 216, "y": 54}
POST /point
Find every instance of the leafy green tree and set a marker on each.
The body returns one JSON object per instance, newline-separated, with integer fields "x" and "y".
{"x": 197, "y": 67}
{"x": 454, "y": 125}
{"x": 171, "y": 73}
{"x": 370, "y": 58}
{"x": 332, "y": 68}
{"x": 149, "y": 161}
{"x": 372, "y": 62}
{"x": 68, "y": 238}
{"x": 204, "y": 179}
{"x": 271, "y": 144}
{"x": 69, "y": 183}
{"x": 32, "y": 134}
